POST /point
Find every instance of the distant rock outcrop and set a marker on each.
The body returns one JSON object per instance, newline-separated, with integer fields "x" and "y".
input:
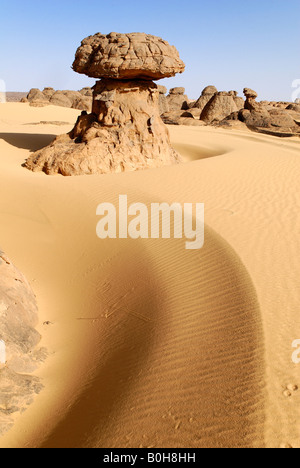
{"x": 18, "y": 341}
{"x": 294, "y": 107}
{"x": 124, "y": 132}
{"x": 273, "y": 120}
{"x": 177, "y": 100}
{"x": 163, "y": 102}
{"x": 81, "y": 100}
{"x": 206, "y": 95}
{"x": 219, "y": 107}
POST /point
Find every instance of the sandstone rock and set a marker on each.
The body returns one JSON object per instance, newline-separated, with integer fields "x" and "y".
{"x": 177, "y": 100}
{"x": 294, "y": 107}
{"x": 86, "y": 92}
{"x": 209, "y": 91}
{"x": 162, "y": 89}
{"x": 255, "y": 118}
{"x": 234, "y": 116}
{"x": 254, "y": 106}
{"x": 48, "y": 92}
{"x": 220, "y": 106}
{"x": 36, "y": 95}
{"x": 60, "y": 99}
{"x": 176, "y": 91}
{"x": 163, "y": 103}
{"x": 124, "y": 132}
{"x": 239, "y": 102}
{"x": 202, "y": 102}
{"x": 191, "y": 103}
{"x": 250, "y": 94}
{"x": 18, "y": 319}
{"x": 206, "y": 95}
{"x": 281, "y": 118}
{"x": 192, "y": 113}
{"x": 172, "y": 117}
{"x": 272, "y": 120}
{"x": 83, "y": 103}
{"x": 127, "y": 56}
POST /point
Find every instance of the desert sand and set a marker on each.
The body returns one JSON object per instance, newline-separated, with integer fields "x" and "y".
{"x": 149, "y": 344}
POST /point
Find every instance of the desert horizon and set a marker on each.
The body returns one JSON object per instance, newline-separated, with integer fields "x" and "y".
{"x": 149, "y": 242}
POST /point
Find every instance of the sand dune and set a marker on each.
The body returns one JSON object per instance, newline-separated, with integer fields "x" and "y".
{"x": 151, "y": 345}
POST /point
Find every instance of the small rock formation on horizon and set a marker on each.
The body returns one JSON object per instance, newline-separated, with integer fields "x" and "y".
{"x": 177, "y": 100}
{"x": 18, "y": 319}
{"x": 81, "y": 100}
{"x": 124, "y": 132}
{"x": 272, "y": 120}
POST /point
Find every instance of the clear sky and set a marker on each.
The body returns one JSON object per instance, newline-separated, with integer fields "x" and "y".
{"x": 228, "y": 43}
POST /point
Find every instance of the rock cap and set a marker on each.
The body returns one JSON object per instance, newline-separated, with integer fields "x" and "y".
{"x": 127, "y": 56}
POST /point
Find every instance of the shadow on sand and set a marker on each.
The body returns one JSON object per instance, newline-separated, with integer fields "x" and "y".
{"x": 28, "y": 141}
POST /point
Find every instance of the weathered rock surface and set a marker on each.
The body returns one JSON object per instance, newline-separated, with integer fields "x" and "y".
{"x": 219, "y": 107}
{"x": 18, "y": 319}
{"x": 124, "y": 132}
{"x": 239, "y": 102}
{"x": 86, "y": 92}
{"x": 36, "y": 95}
{"x": 209, "y": 91}
{"x": 163, "y": 102}
{"x": 48, "y": 92}
{"x": 81, "y": 100}
{"x": 294, "y": 107}
{"x": 271, "y": 120}
{"x": 206, "y": 95}
{"x": 182, "y": 118}
{"x": 61, "y": 99}
{"x": 177, "y": 100}
{"x": 127, "y": 56}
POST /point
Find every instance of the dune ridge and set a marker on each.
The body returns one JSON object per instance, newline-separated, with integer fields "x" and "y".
{"x": 149, "y": 344}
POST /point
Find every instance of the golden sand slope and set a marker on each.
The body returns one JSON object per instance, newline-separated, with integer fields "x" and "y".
{"x": 150, "y": 344}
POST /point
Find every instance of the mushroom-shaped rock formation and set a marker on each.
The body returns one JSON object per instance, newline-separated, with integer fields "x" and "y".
{"x": 124, "y": 132}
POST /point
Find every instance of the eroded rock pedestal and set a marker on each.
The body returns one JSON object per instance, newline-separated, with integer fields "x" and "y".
{"x": 124, "y": 132}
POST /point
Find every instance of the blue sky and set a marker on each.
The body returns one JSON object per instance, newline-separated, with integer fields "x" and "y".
{"x": 228, "y": 43}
